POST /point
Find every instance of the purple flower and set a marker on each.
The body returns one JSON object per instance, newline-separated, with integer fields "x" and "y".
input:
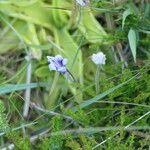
{"x": 99, "y": 58}
{"x": 57, "y": 63}
{"x": 83, "y": 2}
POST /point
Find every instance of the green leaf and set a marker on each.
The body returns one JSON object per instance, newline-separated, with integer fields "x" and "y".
{"x": 42, "y": 71}
{"x": 43, "y": 47}
{"x": 30, "y": 13}
{"x": 32, "y": 38}
{"x": 132, "y": 42}
{"x": 59, "y": 17}
{"x": 91, "y": 28}
{"x": 18, "y": 87}
{"x": 125, "y": 15}
{"x": 15, "y": 31}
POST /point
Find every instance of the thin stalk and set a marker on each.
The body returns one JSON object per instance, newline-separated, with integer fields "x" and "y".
{"x": 33, "y": 105}
{"x": 54, "y": 83}
{"x": 69, "y": 76}
{"x": 28, "y": 90}
{"x": 76, "y": 132}
{"x": 126, "y": 127}
{"x": 97, "y": 79}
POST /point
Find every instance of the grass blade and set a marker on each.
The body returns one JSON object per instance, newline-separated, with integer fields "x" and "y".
{"x": 132, "y": 42}
{"x": 19, "y": 87}
{"x": 100, "y": 96}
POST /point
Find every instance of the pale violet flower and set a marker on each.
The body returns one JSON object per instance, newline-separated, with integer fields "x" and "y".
{"x": 99, "y": 58}
{"x": 57, "y": 63}
{"x": 83, "y": 2}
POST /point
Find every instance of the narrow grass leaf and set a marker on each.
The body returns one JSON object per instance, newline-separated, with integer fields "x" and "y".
{"x": 132, "y": 42}
{"x": 18, "y": 87}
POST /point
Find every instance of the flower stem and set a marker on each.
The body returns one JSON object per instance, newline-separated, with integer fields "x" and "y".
{"x": 97, "y": 79}
{"x": 54, "y": 83}
{"x": 69, "y": 76}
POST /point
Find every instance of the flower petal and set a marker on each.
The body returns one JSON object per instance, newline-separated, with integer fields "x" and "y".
{"x": 50, "y": 58}
{"x": 57, "y": 63}
{"x": 82, "y": 2}
{"x": 99, "y": 58}
{"x": 62, "y": 70}
{"x": 52, "y": 66}
{"x": 58, "y": 58}
{"x": 64, "y": 62}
